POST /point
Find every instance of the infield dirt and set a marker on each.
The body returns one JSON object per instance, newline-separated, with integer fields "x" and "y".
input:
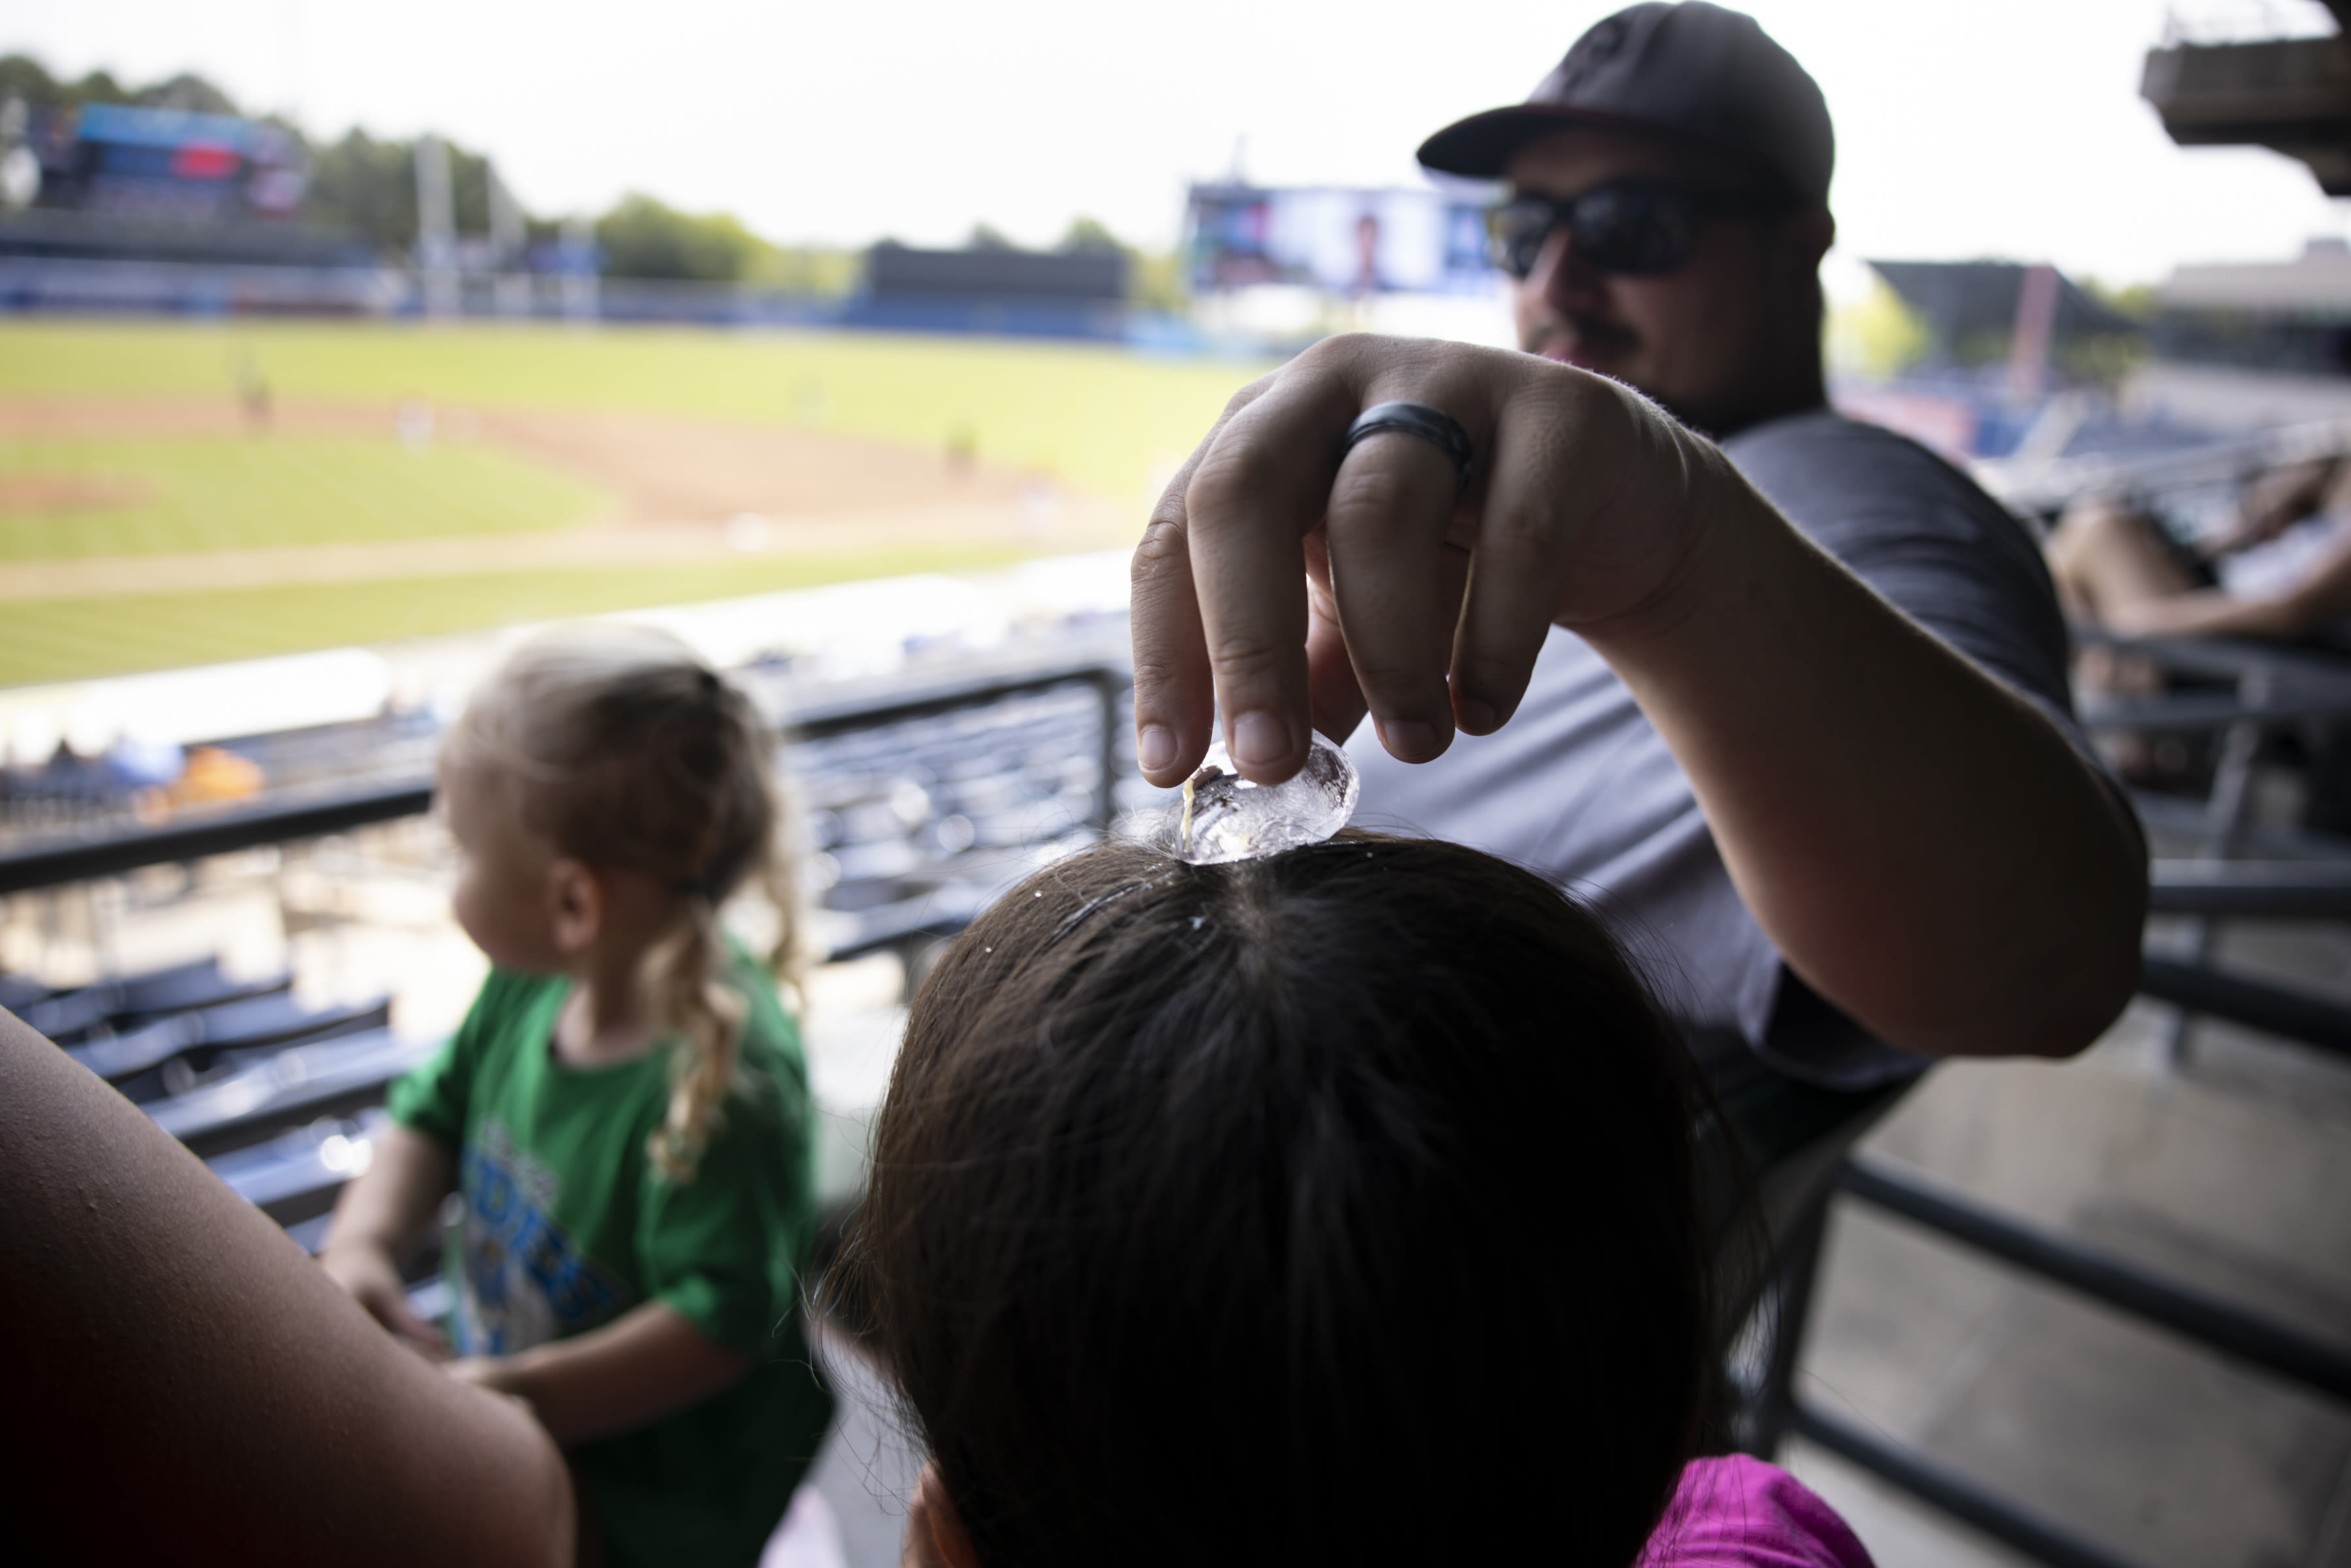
{"x": 674, "y": 490}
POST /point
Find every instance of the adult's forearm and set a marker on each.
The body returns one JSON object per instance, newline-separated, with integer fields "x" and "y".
{"x": 193, "y": 1379}
{"x": 1923, "y": 846}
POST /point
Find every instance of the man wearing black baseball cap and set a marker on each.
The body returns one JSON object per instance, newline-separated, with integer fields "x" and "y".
{"x": 1670, "y": 211}
{"x": 1793, "y": 703}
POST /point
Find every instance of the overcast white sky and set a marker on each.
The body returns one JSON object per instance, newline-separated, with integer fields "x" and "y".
{"x": 1966, "y": 128}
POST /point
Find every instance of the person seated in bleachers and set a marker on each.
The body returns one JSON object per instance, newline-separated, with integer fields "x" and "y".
{"x": 2282, "y": 571}
{"x": 1333, "y": 1207}
{"x": 624, "y": 1114}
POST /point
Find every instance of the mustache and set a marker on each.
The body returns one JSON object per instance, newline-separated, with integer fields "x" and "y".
{"x": 1577, "y": 329}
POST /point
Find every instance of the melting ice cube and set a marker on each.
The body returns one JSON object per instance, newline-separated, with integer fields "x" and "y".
{"x": 1228, "y": 818}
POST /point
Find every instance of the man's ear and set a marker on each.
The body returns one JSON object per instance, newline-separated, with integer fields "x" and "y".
{"x": 576, "y": 906}
{"x": 936, "y": 1537}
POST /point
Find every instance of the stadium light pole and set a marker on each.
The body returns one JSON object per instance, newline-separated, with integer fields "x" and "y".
{"x": 512, "y": 290}
{"x": 436, "y": 227}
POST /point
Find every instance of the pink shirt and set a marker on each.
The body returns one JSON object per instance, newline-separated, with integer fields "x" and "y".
{"x": 1737, "y": 1512}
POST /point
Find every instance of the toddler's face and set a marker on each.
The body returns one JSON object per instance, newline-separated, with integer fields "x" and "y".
{"x": 503, "y": 895}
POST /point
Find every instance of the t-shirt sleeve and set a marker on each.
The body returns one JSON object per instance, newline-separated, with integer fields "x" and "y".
{"x": 725, "y": 1250}
{"x": 1931, "y": 543}
{"x": 1928, "y": 539}
{"x": 431, "y": 1096}
{"x": 1739, "y": 1512}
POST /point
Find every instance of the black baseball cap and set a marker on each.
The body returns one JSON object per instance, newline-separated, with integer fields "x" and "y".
{"x": 1691, "y": 72}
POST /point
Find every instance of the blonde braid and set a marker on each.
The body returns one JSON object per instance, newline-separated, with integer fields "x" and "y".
{"x": 787, "y": 955}
{"x": 708, "y": 1013}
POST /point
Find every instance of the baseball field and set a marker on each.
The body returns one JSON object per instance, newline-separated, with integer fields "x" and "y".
{"x": 176, "y": 494}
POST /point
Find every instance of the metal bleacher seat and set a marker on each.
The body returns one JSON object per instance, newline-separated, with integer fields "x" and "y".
{"x": 177, "y": 1054}
{"x": 115, "y": 1007}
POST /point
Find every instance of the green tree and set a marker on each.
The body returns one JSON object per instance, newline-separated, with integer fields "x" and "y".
{"x": 370, "y": 188}
{"x": 819, "y": 270}
{"x": 21, "y": 76}
{"x": 366, "y": 186}
{"x": 1155, "y": 282}
{"x": 643, "y": 237}
{"x": 1087, "y": 234}
{"x": 186, "y": 91}
{"x": 2135, "y": 300}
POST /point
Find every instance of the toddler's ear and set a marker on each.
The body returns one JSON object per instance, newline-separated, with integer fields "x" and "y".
{"x": 575, "y": 906}
{"x": 934, "y": 1532}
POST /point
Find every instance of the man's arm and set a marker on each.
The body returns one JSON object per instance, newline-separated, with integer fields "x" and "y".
{"x": 192, "y": 1377}
{"x": 1923, "y": 847}
{"x": 642, "y": 1365}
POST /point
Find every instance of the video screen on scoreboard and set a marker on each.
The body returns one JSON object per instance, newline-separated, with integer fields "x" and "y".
{"x": 1340, "y": 241}
{"x": 161, "y": 163}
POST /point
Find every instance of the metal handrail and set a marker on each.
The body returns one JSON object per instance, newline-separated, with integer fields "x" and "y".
{"x": 2314, "y": 1021}
{"x": 2195, "y": 711}
{"x": 81, "y": 856}
{"x": 2301, "y": 890}
{"x": 2227, "y": 658}
{"x": 2191, "y": 1313}
{"x": 1963, "y": 1500}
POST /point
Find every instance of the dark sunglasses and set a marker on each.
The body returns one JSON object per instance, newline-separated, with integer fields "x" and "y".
{"x": 1634, "y": 228}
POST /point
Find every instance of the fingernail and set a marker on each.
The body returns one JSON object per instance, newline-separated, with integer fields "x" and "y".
{"x": 1409, "y": 740}
{"x": 1154, "y": 748}
{"x": 1476, "y": 717}
{"x": 1259, "y": 740}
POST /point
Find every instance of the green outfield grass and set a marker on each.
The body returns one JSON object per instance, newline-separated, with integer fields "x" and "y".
{"x": 1100, "y": 419}
{"x": 242, "y": 493}
{"x": 76, "y": 639}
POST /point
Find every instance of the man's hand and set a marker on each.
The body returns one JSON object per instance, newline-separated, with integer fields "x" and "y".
{"x": 369, "y": 1275}
{"x": 1280, "y": 583}
{"x": 1921, "y": 845}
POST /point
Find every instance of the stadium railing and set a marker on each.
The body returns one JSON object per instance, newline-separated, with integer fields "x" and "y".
{"x": 2311, "y": 880}
{"x": 922, "y": 796}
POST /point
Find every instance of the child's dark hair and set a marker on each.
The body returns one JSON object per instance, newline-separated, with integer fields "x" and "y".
{"x": 622, "y": 749}
{"x": 1335, "y": 1207}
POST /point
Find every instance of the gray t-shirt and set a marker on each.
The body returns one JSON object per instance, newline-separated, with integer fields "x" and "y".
{"x": 1579, "y": 786}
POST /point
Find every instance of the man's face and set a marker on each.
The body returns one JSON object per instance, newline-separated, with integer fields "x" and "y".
{"x": 1722, "y": 340}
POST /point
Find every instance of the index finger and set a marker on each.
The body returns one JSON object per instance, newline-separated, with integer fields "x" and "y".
{"x": 1219, "y": 611}
{"x": 1259, "y": 489}
{"x": 1175, "y": 698}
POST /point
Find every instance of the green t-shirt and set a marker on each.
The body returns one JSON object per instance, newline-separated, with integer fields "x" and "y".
{"x": 568, "y": 1224}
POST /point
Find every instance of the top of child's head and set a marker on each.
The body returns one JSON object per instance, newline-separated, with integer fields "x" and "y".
{"x": 1335, "y": 1206}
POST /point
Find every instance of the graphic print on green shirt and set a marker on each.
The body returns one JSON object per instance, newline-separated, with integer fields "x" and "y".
{"x": 527, "y": 1282}
{"x": 568, "y": 1225}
